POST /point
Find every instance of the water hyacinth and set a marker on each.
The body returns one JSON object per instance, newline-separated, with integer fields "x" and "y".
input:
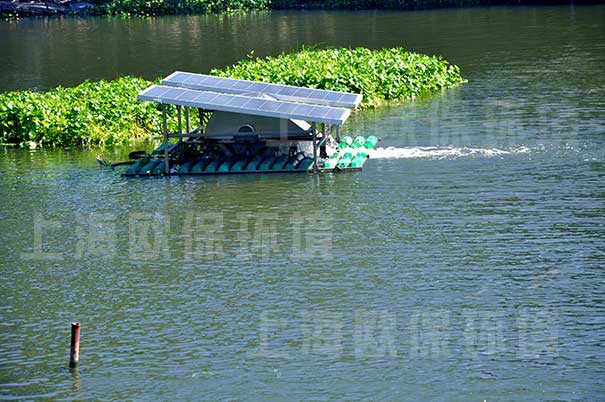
{"x": 92, "y": 113}
{"x": 108, "y": 112}
{"x": 379, "y": 75}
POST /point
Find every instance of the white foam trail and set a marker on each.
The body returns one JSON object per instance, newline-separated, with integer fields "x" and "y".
{"x": 440, "y": 152}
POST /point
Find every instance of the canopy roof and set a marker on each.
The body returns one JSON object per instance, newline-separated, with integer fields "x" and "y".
{"x": 254, "y": 98}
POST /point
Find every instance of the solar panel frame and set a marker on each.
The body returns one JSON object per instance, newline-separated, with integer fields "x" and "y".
{"x": 244, "y": 104}
{"x": 204, "y": 82}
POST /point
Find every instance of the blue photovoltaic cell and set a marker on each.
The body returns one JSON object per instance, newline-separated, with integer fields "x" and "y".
{"x": 190, "y": 97}
{"x": 314, "y": 110}
{"x": 252, "y": 87}
{"x": 286, "y": 108}
{"x": 301, "y": 109}
{"x": 158, "y": 91}
{"x": 180, "y": 76}
{"x": 286, "y": 91}
{"x": 340, "y": 98}
{"x": 335, "y": 97}
{"x": 331, "y": 114}
{"x": 260, "y": 87}
{"x": 281, "y": 92}
{"x": 304, "y": 92}
{"x": 186, "y": 79}
{"x": 254, "y": 103}
{"x": 221, "y": 99}
{"x": 271, "y": 106}
{"x": 212, "y": 81}
{"x": 183, "y": 95}
{"x": 236, "y": 83}
{"x": 202, "y": 96}
{"x": 323, "y": 113}
{"x": 248, "y": 86}
{"x": 235, "y": 101}
{"x": 326, "y": 96}
{"x": 171, "y": 93}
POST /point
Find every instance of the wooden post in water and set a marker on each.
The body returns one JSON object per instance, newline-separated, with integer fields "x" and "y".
{"x": 74, "y": 352}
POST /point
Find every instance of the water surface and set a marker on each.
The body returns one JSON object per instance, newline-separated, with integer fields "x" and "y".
{"x": 464, "y": 263}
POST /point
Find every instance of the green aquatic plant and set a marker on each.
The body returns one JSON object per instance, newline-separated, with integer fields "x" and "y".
{"x": 92, "y": 113}
{"x": 108, "y": 112}
{"x": 379, "y": 75}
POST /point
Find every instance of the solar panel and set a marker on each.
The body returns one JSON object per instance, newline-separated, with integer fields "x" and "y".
{"x": 244, "y": 104}
{"x": 203, "y": 82}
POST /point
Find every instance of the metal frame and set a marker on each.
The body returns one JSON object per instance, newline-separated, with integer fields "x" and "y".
{"x": 314, "y": 131}
{"x": 315, "y": 162}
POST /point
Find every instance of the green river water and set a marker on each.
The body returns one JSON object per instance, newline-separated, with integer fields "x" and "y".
{"x": 465, "y": 263}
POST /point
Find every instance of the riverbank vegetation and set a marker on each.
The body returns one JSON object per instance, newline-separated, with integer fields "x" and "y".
{"x": 12, "y": 9}
{"x": 169, "y": 7}
{"x": 107, "y": 112}
{"x": 164, "y": 7}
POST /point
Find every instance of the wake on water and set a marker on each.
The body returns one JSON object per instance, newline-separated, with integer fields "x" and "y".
{"x": 440, "y": 152}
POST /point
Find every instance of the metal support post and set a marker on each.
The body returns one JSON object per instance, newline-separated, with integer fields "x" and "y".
{"x": 187, "y": 121}
{"x": 315, "y": 161}
{"x": 165, "y": 125}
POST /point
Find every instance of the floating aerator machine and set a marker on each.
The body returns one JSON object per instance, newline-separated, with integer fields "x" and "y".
{"x": 250, "y": 127}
